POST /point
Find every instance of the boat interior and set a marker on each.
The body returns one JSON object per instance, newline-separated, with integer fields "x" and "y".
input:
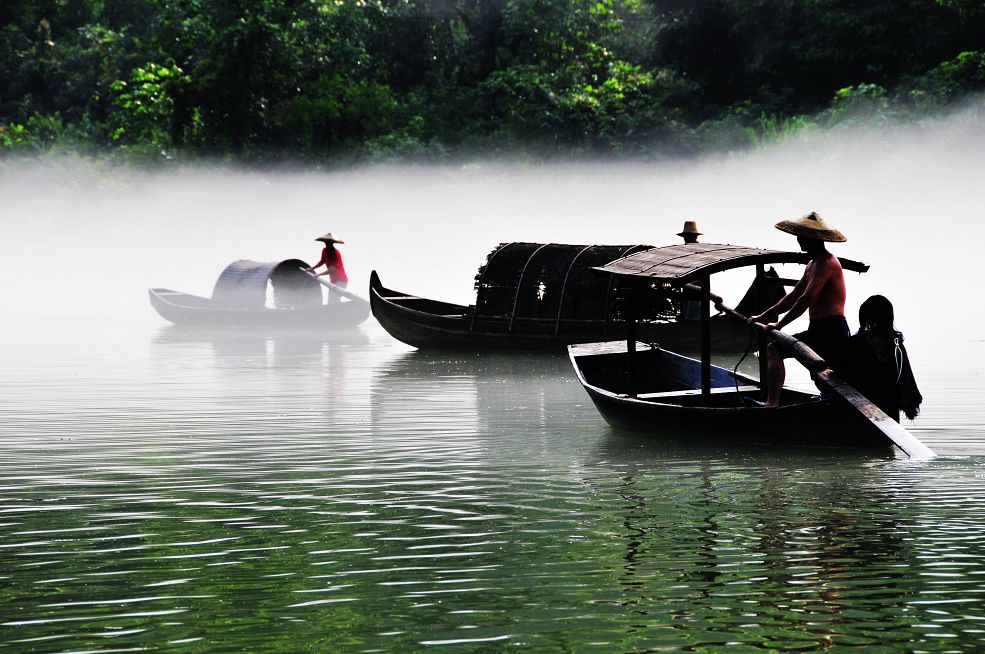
{"x": 665, "y": 377}
{"x": 182, "y": 299}
{"x": 433, "y": 307}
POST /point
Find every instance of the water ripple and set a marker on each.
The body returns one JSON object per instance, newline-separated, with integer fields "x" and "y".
{"x": 418, "y": 506}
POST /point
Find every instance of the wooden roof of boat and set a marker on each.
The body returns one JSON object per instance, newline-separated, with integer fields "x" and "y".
{"x": 687, "y": 261}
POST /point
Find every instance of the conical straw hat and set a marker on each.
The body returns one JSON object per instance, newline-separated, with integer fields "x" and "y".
{"x": 328, "y": 238}
{"x": 811, "y": 226}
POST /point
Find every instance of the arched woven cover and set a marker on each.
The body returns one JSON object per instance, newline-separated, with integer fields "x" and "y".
{"x": 243, "y": 284}
{"x": 546, "y": 281}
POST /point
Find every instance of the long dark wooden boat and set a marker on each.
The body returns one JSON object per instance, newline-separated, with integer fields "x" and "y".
{"x": 537, "y": 296}
{"x": 254, "y": 294}
{"x": 645, "y": 388}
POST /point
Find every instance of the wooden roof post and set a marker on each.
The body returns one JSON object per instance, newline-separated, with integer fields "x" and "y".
{"x": 761, "y": 298}
{"x": 629, "y": 310}
{"x": 706, "y": 335}
{"x": 519, "y": 286}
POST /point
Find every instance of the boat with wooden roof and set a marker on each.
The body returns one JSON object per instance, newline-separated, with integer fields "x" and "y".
{"x": 544, "y": 296}
{"x": 644, "y": 387}
{"x": 278, "y": 294}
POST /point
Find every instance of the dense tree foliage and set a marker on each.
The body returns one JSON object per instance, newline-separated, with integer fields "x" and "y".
{"x": 330, "y": 80}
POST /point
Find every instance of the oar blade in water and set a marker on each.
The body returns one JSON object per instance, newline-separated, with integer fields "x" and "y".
{"x": 829, "y": 379}
{"x": 892, "y": 429}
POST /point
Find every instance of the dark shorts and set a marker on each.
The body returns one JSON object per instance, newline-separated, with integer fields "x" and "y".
{"x": 825, "y": 335}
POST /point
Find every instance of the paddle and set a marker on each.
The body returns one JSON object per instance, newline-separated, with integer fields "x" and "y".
{"x": 332, "y": 287}
{"x": 830, "y": 380}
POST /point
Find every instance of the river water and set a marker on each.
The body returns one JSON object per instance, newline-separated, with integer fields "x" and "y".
{"x": 171, "y": 489}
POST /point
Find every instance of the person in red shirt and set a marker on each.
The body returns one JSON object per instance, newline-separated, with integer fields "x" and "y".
{"x": 332, "y": 260}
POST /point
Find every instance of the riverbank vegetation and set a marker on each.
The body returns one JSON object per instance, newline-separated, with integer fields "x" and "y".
{"x": 338, "y": 81}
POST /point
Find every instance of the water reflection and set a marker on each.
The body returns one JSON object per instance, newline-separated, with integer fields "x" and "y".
{"x": 511, "y": 408}
{"x": 507, "y": 390}
{"x": 251, "y": 491}
{"x": 268, "y": 375}
{"x": 808, "y": 552}
{"x": 279, "y": 345}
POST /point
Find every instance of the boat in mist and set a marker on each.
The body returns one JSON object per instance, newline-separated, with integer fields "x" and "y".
{"x": 545, "y": 296}
{"x": 644, "y": 387}
{"x": 277, "y": 294}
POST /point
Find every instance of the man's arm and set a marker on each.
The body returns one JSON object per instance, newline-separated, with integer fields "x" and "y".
{"x": 785, "y": 303}
{"x": 318, "y": 265}
{"x": 815, "y": 282}
{"x": 328, "y": 263}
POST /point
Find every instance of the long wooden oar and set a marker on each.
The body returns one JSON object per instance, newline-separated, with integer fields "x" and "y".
{"x": 332, "y": 287}
{"x": 830, "y": 380}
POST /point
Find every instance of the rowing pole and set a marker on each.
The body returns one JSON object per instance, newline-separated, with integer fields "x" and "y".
{"x": 332, "y": 287}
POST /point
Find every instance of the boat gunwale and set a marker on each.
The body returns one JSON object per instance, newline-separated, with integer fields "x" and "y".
{"x": 155, "y": 293}
{"x": 632, "y": 400}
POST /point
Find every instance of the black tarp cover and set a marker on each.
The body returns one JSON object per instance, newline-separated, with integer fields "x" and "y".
{"x": 547, "y": 281}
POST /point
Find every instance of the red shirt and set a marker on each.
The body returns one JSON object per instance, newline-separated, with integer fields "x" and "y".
{"x": 333, "y": 260}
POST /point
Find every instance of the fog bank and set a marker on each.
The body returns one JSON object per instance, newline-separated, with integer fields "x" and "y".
{"x": 83, "y": 238}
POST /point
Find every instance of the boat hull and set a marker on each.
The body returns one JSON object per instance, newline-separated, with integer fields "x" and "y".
{"x": 676, "y": 410}
{"x": 431, "y": 324}
{"x": 186, "y": 309}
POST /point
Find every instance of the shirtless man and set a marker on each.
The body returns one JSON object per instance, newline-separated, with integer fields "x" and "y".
{"x": 820, "y": 292}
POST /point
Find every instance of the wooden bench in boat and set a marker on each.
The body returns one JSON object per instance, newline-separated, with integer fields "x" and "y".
{"x": 714, "y": 391}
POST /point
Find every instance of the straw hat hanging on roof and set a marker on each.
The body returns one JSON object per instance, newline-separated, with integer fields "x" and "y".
{"x": 690, "y": 227}
{"x": 811, "y": 226}
{"x": 328, "y": 238}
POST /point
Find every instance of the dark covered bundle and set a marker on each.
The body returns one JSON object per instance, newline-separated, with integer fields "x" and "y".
{"x": 876, "y": 363}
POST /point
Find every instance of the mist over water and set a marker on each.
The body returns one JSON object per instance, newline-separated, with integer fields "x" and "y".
{"x": 85, "y": 239}
{"x": 170, "y": 487}
{"x": 89, "y": 239}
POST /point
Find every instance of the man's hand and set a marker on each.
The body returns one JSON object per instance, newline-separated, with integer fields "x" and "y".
{"x": 757, "y": 321}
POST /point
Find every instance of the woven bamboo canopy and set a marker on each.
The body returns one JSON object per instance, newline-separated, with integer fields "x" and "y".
{"x": 546, "y": 281}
